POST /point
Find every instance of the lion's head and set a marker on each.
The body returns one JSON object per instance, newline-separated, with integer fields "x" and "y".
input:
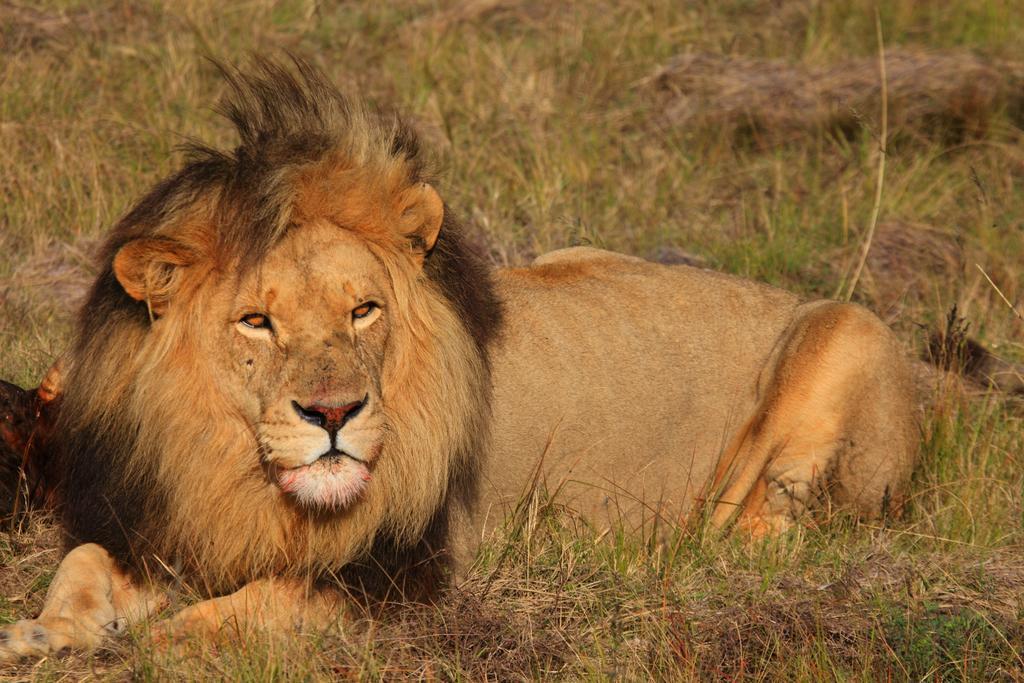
{"x": 283, "y": 361}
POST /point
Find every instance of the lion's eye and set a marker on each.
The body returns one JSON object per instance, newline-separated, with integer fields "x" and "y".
{"x": 256, "y": 321}
{"x": 363, "y": 310}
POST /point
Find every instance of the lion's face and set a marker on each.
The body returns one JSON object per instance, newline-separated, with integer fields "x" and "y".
{"x": 303, "y": 347}
{"x": 296, "y": 345}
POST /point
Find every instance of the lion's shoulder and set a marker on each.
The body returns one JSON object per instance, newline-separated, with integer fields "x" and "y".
{"x": 571, "y": 264}
{"x": 583, "y": 256}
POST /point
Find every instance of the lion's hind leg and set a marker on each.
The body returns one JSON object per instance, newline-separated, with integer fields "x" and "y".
{"x": 835, "y": 419}
{"x": 89, "y": 599}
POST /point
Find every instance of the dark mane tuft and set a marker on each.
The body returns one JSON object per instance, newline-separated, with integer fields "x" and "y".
{"x": 287, "y": 119}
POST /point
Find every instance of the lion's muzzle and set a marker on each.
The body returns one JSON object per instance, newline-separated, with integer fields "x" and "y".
{"x": 322, "y": 450}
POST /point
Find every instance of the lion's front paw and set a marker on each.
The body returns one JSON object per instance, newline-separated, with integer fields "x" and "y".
{"x": 46, "y": 636}
{"x": 30, "y": 638}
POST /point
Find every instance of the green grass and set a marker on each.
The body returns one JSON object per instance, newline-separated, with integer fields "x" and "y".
{"x": 550, "y": 132}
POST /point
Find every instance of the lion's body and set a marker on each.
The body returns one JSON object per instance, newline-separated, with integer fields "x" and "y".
{"x": 615, "y": 369}
{"x": 291, "y": 366}
{"x": 606, "y": 373}
{"x": 624, "y": 383}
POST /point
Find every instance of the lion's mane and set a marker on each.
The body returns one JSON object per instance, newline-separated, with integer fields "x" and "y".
{"x": 155, "y": 465}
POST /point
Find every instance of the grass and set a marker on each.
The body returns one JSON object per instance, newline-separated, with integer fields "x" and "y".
{"x": 552, "y": 129}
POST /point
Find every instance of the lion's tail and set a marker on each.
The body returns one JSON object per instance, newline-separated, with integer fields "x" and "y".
{"x": 953, "y": 354}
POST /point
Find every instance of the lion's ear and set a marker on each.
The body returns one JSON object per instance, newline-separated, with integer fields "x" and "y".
{"x": 420, "y": 211}
{"x": 149, "y": 269}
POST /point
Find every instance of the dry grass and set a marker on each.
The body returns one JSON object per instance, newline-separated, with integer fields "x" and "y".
{"x": 947, "y": 93}
{"x": 910, "y": 266}
{"x": 553, "y": 132}
{"x": 565, "y": 608}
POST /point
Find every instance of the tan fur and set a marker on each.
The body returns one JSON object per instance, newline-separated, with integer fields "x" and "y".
{"x": 642, "y": 394}
{"x": 643, "y": 391}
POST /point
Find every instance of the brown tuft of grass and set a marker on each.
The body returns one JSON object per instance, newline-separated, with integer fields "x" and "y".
{"x": 25, "y": 27}
{"x": 911, "y": 265}
{"x": 493, "y": 12}
{"x": 58, "y": 273}
{"x": 948, "y": 93}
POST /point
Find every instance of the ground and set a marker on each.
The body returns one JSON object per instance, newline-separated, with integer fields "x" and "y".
{"x": 742, "y": 135}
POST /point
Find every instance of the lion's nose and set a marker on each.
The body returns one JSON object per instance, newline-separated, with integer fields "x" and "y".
{"x": 330, "y": 417}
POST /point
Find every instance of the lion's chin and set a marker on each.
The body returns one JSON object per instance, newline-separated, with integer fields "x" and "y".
{"x": 332, "y": 482}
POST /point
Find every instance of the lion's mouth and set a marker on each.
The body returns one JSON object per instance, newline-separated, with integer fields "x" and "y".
{"x": 332, "y": 481}
{"x": 334, "y": 453}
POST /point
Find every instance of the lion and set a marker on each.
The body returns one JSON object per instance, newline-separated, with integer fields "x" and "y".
{"x": 293, "y": 367}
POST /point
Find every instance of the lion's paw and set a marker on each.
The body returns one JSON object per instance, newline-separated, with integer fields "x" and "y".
{"x": 29, "y": 638}
{"x": 42, "y": 637}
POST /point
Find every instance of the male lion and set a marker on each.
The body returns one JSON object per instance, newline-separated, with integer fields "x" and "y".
{"x": 291, "y": 367}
